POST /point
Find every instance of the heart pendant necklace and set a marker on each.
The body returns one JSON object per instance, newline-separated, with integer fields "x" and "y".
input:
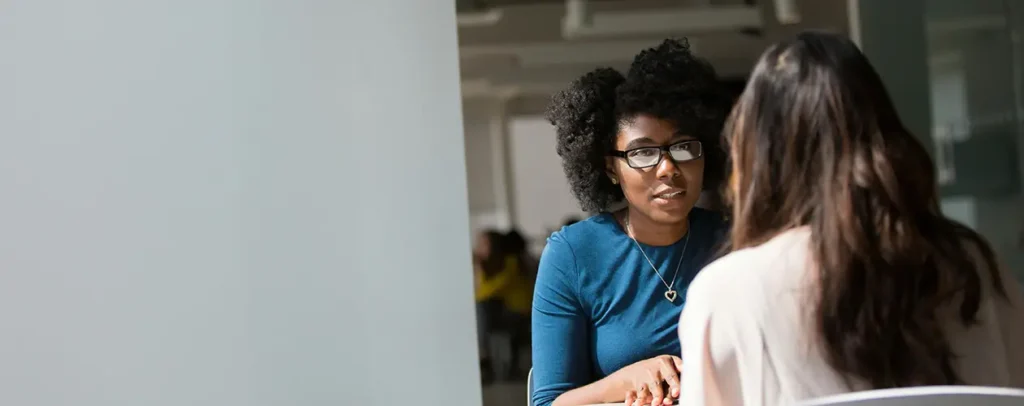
{"x": 671, "y": 293}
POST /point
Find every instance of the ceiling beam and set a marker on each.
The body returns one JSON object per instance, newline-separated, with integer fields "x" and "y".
{"x": 580, "y": 23}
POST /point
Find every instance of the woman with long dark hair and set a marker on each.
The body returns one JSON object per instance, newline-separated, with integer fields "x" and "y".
{"x": 843, "y": 273}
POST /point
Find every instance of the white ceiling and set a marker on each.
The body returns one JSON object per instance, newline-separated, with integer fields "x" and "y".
{"x": 528, "y": 50}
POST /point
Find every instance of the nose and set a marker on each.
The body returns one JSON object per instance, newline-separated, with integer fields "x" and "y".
{"x": 667, "y": 168}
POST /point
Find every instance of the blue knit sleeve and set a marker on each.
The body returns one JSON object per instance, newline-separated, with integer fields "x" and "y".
{"x": 561, "y": 358}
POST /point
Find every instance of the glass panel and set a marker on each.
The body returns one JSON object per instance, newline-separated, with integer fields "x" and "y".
{"x": 975, "y": 74}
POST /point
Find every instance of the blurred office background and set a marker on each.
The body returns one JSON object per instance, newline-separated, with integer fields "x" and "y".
{"x": 957, "y": 71}
{"x": 954, "y": 68}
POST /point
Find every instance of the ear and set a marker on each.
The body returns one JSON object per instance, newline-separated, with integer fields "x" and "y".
{"x": 609, "y": 168}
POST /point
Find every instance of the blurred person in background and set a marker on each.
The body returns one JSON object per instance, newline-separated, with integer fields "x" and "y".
{"x": 517, "y": 309}
{"x": 844, "y": 274}
{"x": 637, "y": 149}
{"x": 503, "y": 294}
{"x": 520, "y": 248}
{"x": 488, "y": 307}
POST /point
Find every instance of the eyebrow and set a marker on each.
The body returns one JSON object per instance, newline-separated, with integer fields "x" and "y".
{"x": 640, "y": 142}
{"x": 647, "y": 142}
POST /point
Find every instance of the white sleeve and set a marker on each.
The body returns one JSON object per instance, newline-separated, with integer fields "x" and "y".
{"x": 1010, "y": 314}
{"x": 722, "y": 345}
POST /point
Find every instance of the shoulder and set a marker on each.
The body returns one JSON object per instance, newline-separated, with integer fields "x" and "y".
{"x": 721, "y": 280}
{"x": 737, "y": 290}
{"x": 576, "y": 242}
{"x": 579, "y": 245}
{"x": 573, "y": 247}
{"x": 582, "y": 235}
{"x": 752, "y": 273}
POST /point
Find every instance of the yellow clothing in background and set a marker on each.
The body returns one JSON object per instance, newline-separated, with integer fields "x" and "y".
{"x": 510, "y": 285}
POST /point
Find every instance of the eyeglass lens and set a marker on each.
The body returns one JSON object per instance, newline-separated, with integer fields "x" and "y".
{"x": 650, "y": 156}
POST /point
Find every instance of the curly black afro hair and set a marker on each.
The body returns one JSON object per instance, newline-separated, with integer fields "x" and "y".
{"x": 667, "y": 82}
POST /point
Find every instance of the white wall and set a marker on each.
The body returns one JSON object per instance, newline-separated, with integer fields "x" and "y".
{"x": 479, "y": 161}
{"x": 229, "y": 202}
{"x": 542, "y": 196}
{"x": 484, "y": 171}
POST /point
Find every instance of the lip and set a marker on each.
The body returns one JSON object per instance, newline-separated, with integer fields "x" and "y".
{"x": 672, "y": 193}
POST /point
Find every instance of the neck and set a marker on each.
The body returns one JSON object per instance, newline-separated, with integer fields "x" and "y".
{"x": 649, "y": 232}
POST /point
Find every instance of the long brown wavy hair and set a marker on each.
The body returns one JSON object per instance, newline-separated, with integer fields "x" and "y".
{"x": 815, "y": 141}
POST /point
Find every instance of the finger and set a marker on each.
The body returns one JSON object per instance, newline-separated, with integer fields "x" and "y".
{"x": 669, "y": 397}
{"x": 671, "y": 377}
{"x": 630, "y": 398}
{"x": 678, "y": 363}
{"x": 679, "y": 367}
{"x": 643, "y": 400}
{"x": 643, "y": 395}
{"x": 657, "y": 391}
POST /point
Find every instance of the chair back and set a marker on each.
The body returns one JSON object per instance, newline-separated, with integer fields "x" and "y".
{"x": 529, "y": 388}
{"x": 926, "y": 396}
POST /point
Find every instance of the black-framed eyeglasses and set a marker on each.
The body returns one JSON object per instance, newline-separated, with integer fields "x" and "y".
{"x": 646, "y": 157}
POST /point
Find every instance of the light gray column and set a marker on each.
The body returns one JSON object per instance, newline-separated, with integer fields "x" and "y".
{"x": 233, "y": 202}
{"x": 504, "y": 182}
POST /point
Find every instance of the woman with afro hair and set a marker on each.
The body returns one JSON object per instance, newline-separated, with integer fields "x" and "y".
{"x": 637, "y": 151}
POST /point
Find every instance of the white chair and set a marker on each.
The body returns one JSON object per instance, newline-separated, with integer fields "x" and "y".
{"x": 926, "y": 396}
{"x": 529, "y": 388}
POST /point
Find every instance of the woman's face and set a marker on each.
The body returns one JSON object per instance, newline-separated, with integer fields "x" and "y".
{"x": 666, "y": 192}
{"x": 482, "y": 246}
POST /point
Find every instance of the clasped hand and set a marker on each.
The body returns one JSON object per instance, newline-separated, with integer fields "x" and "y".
{"x": 653, "y": 381}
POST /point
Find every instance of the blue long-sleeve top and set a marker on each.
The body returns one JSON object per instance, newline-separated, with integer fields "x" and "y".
{"x": 598, "y": 305}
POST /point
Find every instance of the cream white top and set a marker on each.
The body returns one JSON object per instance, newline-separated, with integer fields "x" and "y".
{"x": 746, "y": 332}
